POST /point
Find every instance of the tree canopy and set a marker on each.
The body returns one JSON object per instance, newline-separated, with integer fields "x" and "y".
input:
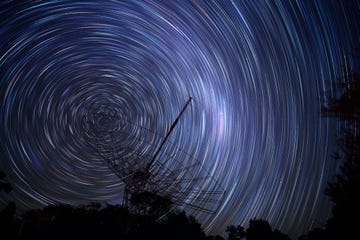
{"x": 344, "y": 105}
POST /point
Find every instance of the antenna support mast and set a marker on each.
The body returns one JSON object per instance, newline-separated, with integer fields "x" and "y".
{"x": 168, "y": 134}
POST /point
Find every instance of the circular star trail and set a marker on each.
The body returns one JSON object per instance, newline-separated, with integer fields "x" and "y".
{"x": 255, "y": 71}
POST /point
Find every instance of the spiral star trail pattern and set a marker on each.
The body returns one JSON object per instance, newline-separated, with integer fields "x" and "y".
{"x": 255, "y": 70}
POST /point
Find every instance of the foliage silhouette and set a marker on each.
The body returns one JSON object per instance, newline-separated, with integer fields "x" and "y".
{"x": 258, "y": 229}
{"x": 151, "y": 204}
{"x": 94, "y": 221}
{"x": 277, "y": 235}
{"x": 343, "y": 192}
{"x": 235, "y": 232}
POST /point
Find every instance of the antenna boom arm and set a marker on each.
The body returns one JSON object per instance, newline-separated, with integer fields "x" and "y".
{"x": 167, "y": 135}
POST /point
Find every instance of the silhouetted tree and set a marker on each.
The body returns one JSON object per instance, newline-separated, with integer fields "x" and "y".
{"x": 180, "y": 226}
{"x": 151, "y": 204}
{"x": 343, "y": 192}
{"x": 277, "y": 235}
{"x": 235, "y": 232}
{"x": 115, "y": 217}
{"x": 261, "y": 230}
{"x": 111, "y": 222}
{"x": 258, "y": 230}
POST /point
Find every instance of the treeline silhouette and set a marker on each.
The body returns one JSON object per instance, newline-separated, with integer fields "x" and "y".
{"x": 94, "y": 221}
{"x": 258, "y": 229}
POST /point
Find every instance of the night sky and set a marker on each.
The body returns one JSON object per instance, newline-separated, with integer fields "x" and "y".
{"x": 256, "y": 71}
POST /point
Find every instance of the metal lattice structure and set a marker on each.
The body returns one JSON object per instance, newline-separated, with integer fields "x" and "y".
{"x": 147, "y": 162}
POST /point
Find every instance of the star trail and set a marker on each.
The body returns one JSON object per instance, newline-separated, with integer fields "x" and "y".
{"x": 256, "y": 71}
